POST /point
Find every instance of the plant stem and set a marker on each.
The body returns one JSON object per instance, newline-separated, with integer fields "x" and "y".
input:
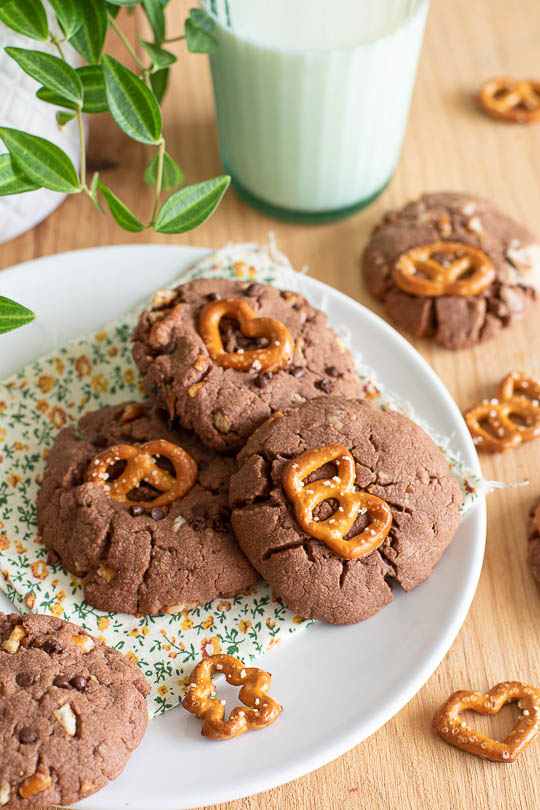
{"x": 79, "y": 122}
{"x": 174, "y": 39}
{"x": 83, "y": 148}
{"x": 159, "y": 179}
{"x": 144, "y": 70}
{"x": 58, "y": 47}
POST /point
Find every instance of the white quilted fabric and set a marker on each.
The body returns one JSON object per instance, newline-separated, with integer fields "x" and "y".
{"x": 19, "y": 108}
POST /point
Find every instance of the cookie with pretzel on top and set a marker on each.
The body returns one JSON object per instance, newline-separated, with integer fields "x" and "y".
{"x": 452, "y": 267}
{"x": 222, "y": 356}
{"x": 336, "y": 499}
{"x": 138, "y": 509}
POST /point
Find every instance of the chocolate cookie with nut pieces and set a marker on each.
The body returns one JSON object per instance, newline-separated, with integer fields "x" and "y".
{"x": 71, "y": 712}
{"x": 115, "y": 510}
{"x": 331, "y": 535}
{"x": 533, "y": 550}
{"x": 222, "y": 356}
{"x": 452, "y": 267}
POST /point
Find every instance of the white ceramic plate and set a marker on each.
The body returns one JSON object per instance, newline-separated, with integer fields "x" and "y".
{"x": 338, "y": 684}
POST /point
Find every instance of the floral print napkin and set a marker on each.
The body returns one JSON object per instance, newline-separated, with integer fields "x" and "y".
{"x": 87, "y": 374}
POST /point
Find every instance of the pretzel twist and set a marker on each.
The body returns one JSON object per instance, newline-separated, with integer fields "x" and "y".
{"x": 142, "y": 467}
{"x": 276, "y": 355}
{"x": 305, "y": 497}
{"x": 453, "y": 730}
{"x": 261, "y": 710}
{"x": 443, "y": 279}
{"x": 517, "y": 395}
{"x": 511, "y": 100}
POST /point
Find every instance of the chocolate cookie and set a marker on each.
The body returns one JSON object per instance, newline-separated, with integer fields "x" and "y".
{"x": 71, "y": 712}
{"x": 133, "y": 558}
{"x": 533, "y": 551}
{"x": 393, "y": 459}
{"x": 455, "y": 321}
{"x": 223, "y": 404}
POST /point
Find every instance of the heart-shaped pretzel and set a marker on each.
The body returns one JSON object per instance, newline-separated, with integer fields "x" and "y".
{"x": 276, "y": 355}
{"x": 518, "y": 395}
{"x": 451, "y": 728}
{"x": 261, "y": 710}
{"x": 141, "y": 467}
{"x": 511, "y": 100}
{"x": 340, "y": 487}
{"x": 443, "y": 279}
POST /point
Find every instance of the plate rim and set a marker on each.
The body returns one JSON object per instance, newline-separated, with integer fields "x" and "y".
{"x": 357, "y": 734}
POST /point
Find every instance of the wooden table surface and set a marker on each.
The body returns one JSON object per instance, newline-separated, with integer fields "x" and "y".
{"x": 449, "y": 146}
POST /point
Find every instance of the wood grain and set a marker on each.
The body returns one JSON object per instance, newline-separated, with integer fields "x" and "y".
{"x": 449, "y": 145}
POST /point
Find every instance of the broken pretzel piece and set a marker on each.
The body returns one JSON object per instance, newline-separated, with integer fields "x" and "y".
{"x": 261, "y": 710}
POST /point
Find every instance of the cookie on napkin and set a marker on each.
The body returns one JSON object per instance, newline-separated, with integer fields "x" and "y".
{"x": 135, "y": 557}
{"x": 389, "y": 457}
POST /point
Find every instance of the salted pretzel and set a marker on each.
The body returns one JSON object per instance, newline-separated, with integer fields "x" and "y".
{"x": 276, "y": 355}
{"x": 515, "y": 100}
{"x": 518, "y": 395}
{"x": 261, "y": 710}
{"x": 443, "y": 279}
{"x": 305, "y": 497}
{"x": 453, "y": 730}
{"x": 142, "y": 467}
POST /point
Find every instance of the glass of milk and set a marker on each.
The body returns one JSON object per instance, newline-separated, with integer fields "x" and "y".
{"x": 312, "y": 98}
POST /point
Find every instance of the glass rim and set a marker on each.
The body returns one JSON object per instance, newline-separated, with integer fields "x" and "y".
{"x": 205, "y": 4}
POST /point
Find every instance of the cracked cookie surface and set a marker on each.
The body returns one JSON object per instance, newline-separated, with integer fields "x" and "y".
{"x": 455, "y": 321}
{"x": 129, "y": 560}
{"x": 395, "y": 460}
{"x": 223, "y": 405}
{"x": 533, "y": 549}
{"x": 71, "y": 712}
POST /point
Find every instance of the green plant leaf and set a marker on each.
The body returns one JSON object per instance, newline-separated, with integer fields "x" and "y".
{"x": 113, "y": 9}
{"x": 50, "y": 71}
{"x": 90, "y": 38}
{"x": 41, "y": 161}
{"x": 202, "y": 19}
{"x": 120, "y": 212}
{"x": 156, "y": 18}
{"x": 191, "y": 206}
{"x": 27, "y": 17}
{"x": 69, "y": 15}
{"x": 13, "y": 315}
{"x": 159, "y": 81}
{"x": 124, "y": 2}
{"x": 63, "y": 118}
{"x": 172, "y": 177}
{"x": 132, "y": 104}
{"x": 13, "y": 181}
{"x": 94, "y": 98}
{"x": 160, "y": 57}
{"x": 198, "y": 41}
{"x": 93, "y": 193}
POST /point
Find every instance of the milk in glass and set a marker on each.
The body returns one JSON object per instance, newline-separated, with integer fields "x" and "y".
{"x": 312, "y": 98}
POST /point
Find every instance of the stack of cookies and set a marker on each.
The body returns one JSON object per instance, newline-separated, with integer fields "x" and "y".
{"x": 254, "y": 455}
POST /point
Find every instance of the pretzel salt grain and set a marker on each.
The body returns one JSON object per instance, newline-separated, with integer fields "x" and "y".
{"x": 453, "y": 730}
{"x": 141, "y": 467}
{"x": 443, "y": 279}
{"x": 518, "y": 395}
{"x": 272, "y": 358}
{"x": 517, "y": 101}
{"x": 261, "y": 710}
{"x": 305, "y": 497}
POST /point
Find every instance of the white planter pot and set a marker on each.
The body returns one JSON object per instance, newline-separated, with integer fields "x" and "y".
{"x": 19, "y": 108}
